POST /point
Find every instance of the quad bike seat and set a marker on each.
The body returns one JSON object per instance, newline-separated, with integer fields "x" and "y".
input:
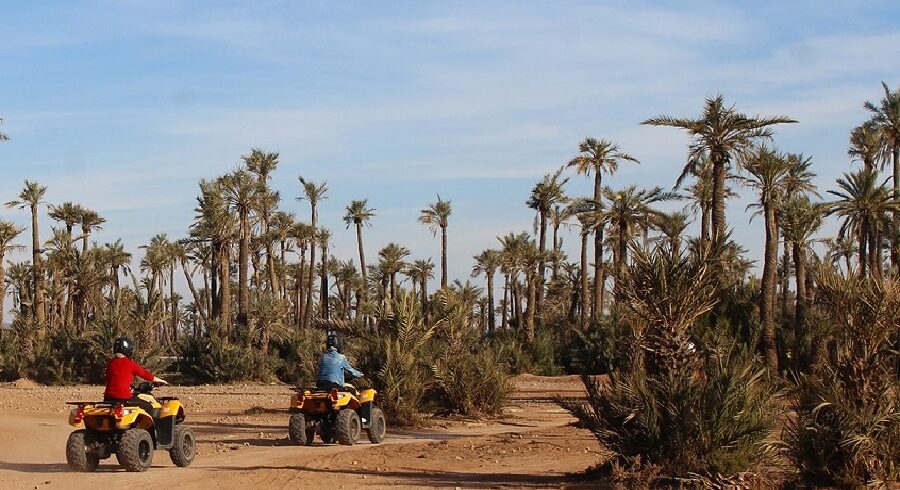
{"x": 327, "y": 387}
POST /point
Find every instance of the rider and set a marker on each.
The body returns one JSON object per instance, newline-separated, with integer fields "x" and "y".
{"x": 121, "y": 370}
{"x": 332, "y": 365}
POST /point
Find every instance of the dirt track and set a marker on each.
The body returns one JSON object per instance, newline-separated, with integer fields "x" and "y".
{"x": 243, "y": 443}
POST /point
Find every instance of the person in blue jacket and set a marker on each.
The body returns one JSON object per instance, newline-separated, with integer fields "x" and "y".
{"x": 332, "y": 365}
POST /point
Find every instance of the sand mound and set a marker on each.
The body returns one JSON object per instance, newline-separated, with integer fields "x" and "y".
{"x": 24, "y": 383}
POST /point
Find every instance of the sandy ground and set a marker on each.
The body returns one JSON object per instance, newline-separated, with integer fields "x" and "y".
{"x": 242, "y": 435}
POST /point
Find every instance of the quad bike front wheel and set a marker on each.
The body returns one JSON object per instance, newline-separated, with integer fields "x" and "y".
{"x": 184, "y": 446}
{"x": 135, "y": 450}
{"x": 348, "y": 427}
{"x": 377, "y": 426}
{"x": 77, "y": 455}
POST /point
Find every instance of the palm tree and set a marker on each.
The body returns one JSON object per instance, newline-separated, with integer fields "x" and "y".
{"x": 8, "y": 232}
{"x": 841, "y": 248}
{"x": 487, "y": 263}
{"x": 723, "y": 134}
{"x": 242, "y": 194}
{"x": 359, "y": 214}
{"x": 216, "y": 225}
{"x": 862, "y": 203}
{"x": 544, "y": 196}
{"x": 324, "y": 238}
{"x": 598, "y": 157}
{"x": 89, "y": 221}
{"x": 313, "y": 193}
{"x": 800, "y": 219}
{"x": 512, "y": 248}
{"x": 867, "y": 145}
{"x": 280, "y": 228}
{"x": 672, "y": 226}
{"x": 768, "y": 175}
{"x": 587, "y": 220}
{"x": 886, "y": 116}
{"x": 32, "y": 196}
{"x": 630, "y": 212}
{"x": 558, "y": 217}
{"x": 421, "y": 271}
{"x": 67, "y": 213}
{"x": 392, "y": 261}
{"x": 436, "y": 216}
{"x": 117, "y": 259}
{"x": 303, "y": 235}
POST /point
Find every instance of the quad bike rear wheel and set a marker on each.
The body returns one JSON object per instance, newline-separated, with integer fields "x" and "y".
{"x": 297, "y": 429}
{"x": 135, "y": 450}
{"x": 77, "y": 455}
{"x": 348, "y": 427}
{"x": 184, "y": 446}
{"x": 327, "y": 433}
{"x": 377, "y": 426}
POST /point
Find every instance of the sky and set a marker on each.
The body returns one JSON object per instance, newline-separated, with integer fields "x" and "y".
{"x": 124, "y": 106}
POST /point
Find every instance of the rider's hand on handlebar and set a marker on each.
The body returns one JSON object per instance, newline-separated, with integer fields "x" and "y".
{"x": 160, "y": 382}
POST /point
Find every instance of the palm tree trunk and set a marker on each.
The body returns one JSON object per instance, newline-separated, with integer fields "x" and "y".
{"x": 243, "y": 272}
{"x": 584, "y": 280}
{"x": 704, "y": 223}
{"x": 364, "y": 292}
{"x": 491, "y": 320}
{"x": 214, "y": 301}
{"x": 621, "y": 258}
{"x": 598, "y": 250}
{"x": 766, "y": 313}
{"x": 875, "y": 260}
{"x": 274, "y": 285}
{"x": 174, "y": 302}
{"x": 800, "y": 308}
{"x": 863, "y": 235}
{"x": 284, "y": 267}
{"x": 38, "y": 274}
{"x": 443, "y": 257}
{"x": 323, "y": 292}
{"x": 555, "y": 249}
{"x": 201, "y": 309}
{"x": 302, "y": 283}
{"x": 504, "y": 315}
{"x": 225, "y": 290}
{"x": 784, "y": 281}
{"x": 532, "y": 305}
{"x": 312, "y": 265}
{"x": 719, "y": 163}
{"x": 542, "y": 248}
{"x": 2, "y": 289}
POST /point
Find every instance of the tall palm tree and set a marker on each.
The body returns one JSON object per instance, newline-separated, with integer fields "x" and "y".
{"x": 800, "y": 219}
{"x": 862, "y": 203}
{"x": 867, "y": 145}
{"x": 598, "y": 157}
{"x": 512, "y": 247}
{"x": 723, "y": 134}
{"x": 303, "y": 235}
{"x": 359, "y": 214}
{"x": 630, "y": 212}
{"x": 436, "y": 217}
{"x": 421, "y": 271}
{"x": 392, "y": 260}
{"x": 487, "y": 263}
{"x": 117, "y": 259}
{"x": 558, "y": 217}
{"x": 215, "y": 224}
{"x": 841, "y": 248}
{"x": 280, "y": 228}
{"x": 768, "y": 172}
{"x": 587, "y": 221}
{"x": 32, "y": 196}
{"x": 9, "y": 231}
{"x": 89, "y": 221}
{"x": 672, "y": 226}
{"x": 242, "y": 194}
{"x": 886, "y": 116}
{"x": 67, "y": 213}
{"x": 313, "y": 193}
{"x": 324, "y": 238}
{"x": 544, "y": 196}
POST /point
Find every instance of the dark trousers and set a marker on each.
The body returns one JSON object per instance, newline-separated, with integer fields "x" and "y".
{"x": 144, "y": 404}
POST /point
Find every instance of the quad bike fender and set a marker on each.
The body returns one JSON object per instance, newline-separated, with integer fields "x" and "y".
{"x": 76, "y": 421}
{"x": 135, "y": 417}
{"x": 367, "y": 396}
{"x": 172, "y": 408}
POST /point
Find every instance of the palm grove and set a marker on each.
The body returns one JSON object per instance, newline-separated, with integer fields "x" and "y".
{"x": 703, "y": 357}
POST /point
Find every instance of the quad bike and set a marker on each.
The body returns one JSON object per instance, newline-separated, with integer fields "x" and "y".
{"x": 337, "y": 415}
{"x": 129, "y": 432}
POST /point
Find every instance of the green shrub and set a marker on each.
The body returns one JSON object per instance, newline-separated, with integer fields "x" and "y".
{"x": 847, "y": 426}
{"x": 213, "y": 360}
{"x": 299, "y": 356}
{"x": 471, "y": 382}
{"x": 713, "y": 421}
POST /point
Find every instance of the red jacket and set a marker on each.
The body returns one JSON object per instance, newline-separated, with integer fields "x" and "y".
{"x": 120, "y": 372}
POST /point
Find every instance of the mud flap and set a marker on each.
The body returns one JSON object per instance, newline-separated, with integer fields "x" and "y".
{"x": 365, "y": 415}
{"x": 165, "y": 430}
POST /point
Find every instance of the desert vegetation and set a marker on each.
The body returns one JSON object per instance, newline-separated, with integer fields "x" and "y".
{"x": 713, "y": 372}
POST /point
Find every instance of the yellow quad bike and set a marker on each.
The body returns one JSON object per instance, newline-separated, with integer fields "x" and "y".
{"x": 337, "y": 415}
{"x": 129, "y": 432}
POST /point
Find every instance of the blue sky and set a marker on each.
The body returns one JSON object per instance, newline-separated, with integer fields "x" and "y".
{"x": 123, "y": 106}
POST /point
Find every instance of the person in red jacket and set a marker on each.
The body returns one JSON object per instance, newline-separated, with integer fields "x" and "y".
{"x": 120, "y": 372}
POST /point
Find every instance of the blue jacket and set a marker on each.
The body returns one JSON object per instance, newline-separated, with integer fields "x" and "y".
{"x": 332, "y": 365}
